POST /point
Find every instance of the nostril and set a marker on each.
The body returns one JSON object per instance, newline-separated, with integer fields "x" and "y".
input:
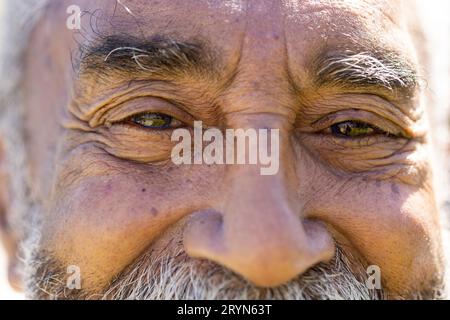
{"x": 320, "y": 241}
{"x": 203, "y": 233}
{"x": 267, "y": 257}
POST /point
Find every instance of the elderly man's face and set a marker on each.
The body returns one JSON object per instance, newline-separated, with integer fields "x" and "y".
{"x": 337, "y": 78}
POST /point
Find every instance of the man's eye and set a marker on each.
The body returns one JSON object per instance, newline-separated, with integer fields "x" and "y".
{"x": 154, "y": 120}
{"x": 354, "y": 129}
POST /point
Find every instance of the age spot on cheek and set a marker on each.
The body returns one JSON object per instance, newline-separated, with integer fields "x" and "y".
{"x": 154, "y": 212}
{"x": 394, "y": 188}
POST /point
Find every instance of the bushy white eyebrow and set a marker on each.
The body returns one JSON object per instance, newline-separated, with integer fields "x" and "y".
{"x": 365, "y": 69}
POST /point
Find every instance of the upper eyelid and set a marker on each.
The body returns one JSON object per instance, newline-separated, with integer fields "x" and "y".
{"x": 139, "y": 105}
{"x": 359, "y": 101}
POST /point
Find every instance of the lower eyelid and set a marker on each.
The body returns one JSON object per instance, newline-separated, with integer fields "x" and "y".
{"x": 330, "y": 147}
{"x": 123, "y": 129}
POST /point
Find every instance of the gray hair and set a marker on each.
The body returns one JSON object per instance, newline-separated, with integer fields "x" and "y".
{"x": 17, "y": 19}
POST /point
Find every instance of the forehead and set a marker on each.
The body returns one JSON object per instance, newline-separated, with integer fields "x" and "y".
{"x": 298, "y": 30}
{"x": 221, "y": 20}
{"x": 293, "y": 8}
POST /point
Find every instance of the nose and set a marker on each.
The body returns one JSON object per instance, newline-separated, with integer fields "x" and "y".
{"x": 259, "y": 231}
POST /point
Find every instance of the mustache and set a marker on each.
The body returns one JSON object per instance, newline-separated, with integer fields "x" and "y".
{"x": 168, "y": 273}
{"x": 172, "y": 275}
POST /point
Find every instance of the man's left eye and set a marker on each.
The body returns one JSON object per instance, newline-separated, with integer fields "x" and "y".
{"x": 354, "y": 129}
{"x": 153, "y": 120}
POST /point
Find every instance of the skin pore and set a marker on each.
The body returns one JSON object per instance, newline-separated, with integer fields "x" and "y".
{"x": 339, "y": 80}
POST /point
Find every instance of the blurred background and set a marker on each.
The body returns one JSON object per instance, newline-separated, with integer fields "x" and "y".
{"x": 436, "y": 17}
{"x": 6, "y": 292}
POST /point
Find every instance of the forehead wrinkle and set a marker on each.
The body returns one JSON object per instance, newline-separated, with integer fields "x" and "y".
{"x": 367, "y": 9}
{"x": 153, "y": 22}
{"x": 329, "y": 4}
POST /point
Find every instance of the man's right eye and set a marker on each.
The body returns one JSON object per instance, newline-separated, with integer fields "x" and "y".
{"x": 152, "y": 120}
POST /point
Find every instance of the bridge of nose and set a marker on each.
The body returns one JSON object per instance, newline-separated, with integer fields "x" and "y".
{"x": 258, "y": 231}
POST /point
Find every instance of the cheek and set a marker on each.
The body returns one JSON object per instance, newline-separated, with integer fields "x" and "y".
{"x": 103, "y": 223}
{"x": 390, "y": 225}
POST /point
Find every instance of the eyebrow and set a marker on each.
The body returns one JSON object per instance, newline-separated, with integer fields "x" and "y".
{"x": 383, "y": 69}
{"x": 164, "y": 57}
{"x": 158, "y": 56}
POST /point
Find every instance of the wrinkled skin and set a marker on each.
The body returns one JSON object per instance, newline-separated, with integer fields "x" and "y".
{"x": 110, "y": 192}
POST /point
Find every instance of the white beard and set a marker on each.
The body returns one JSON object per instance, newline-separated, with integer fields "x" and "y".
{"x": 175, "y": 276}
{"x": 167, "y": 273}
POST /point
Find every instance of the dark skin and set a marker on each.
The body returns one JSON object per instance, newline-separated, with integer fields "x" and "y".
{"x": 109, "y": 190}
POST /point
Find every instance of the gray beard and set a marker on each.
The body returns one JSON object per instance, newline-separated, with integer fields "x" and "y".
{"x": 172, "y": 275}
{"x": 178, "y": 277}
{"x": 169, "y": 274}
